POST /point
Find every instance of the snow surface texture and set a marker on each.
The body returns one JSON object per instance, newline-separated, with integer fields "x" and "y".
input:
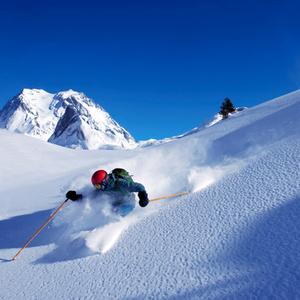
{"x": 68, "y": 119}
{"x": 235, "y": 236}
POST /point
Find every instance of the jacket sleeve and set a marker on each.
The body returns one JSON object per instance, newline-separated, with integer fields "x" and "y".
{"x": 134, "y": 187}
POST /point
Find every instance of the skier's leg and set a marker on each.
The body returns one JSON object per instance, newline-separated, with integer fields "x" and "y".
{"x": 125, "y": 209}
{"x": 125, "y": 205}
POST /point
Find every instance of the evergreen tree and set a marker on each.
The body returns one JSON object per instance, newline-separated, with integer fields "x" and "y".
{"x": 226, "y": 108}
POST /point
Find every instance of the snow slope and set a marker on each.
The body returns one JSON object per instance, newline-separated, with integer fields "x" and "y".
{"x": 216, "y": 119}
{"x": 235, "y": 236}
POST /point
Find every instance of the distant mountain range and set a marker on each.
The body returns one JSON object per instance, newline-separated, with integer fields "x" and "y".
{"x": 68, "y": 119}
{"x": 71, "y": 119}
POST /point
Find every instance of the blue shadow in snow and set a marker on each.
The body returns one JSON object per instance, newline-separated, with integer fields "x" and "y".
{"x": 269, "y": 251}
{"x": 273, "y": 248}
{"x": 16, "y": 231}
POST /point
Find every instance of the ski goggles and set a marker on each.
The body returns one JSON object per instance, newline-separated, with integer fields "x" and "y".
{"x": 97, "y": 186}
{"x": 101, "y": 186}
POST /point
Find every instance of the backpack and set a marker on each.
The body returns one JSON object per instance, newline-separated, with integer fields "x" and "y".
{"x": 120, "y": 173}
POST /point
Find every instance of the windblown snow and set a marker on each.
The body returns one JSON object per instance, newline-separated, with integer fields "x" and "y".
{"x": 235, "y": 236}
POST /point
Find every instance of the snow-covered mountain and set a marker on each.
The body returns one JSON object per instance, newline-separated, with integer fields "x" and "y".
{"x": 71, "y": 119}
{"x": 67, "y": 119}
{"x": 235, "y": 236}
{"x": 29, "y": 112}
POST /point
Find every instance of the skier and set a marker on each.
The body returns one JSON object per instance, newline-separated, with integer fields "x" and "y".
{"x": 119, "y": 186}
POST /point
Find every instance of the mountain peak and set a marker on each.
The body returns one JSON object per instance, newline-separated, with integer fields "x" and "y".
{"x": 46, "y": 116}
{"x": 32, "y": 93}
{"x": 69, "y": 93}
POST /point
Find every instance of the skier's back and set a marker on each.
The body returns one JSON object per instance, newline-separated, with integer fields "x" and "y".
{"x": 120, "y": 187}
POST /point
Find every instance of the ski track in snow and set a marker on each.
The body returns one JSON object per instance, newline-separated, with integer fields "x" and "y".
{"x": 236, "y": 236}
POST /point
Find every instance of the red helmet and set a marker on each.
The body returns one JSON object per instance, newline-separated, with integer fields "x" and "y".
{"x": 99, "y": 179}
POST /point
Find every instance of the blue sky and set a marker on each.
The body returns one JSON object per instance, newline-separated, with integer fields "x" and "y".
{"x": 159, "y": 68}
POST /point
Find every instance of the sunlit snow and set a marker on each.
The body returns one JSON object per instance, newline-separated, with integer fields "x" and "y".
{"x": 235, "y": 236}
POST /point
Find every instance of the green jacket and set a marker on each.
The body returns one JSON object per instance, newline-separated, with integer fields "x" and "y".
{"x": 123, "y": 186}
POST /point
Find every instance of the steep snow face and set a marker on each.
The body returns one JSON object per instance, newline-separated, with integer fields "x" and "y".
{"x": 83, "y": 125}
{"x": 29, "y": 112}
{"x": 86, "y": 125}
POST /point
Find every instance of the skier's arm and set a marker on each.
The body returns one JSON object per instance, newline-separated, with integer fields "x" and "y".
{"x": 72, "y": 195}
{"x": 143, "y": 196}
{"x": 135, "y": 187}
{"x": 132, "y": 187}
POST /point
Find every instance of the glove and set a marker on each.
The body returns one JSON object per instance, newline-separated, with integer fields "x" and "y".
{"x": 73, "y": 196}
{"x": 143, "y": 196}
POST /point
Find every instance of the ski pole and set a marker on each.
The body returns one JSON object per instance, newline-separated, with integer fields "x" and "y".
{"x": 40, "y": 229}
{"x": 169, "y": 196}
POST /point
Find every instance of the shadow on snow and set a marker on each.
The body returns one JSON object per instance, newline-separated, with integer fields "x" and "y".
{"x": 16, "y": 231}
{"x": 265, "y": 261}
